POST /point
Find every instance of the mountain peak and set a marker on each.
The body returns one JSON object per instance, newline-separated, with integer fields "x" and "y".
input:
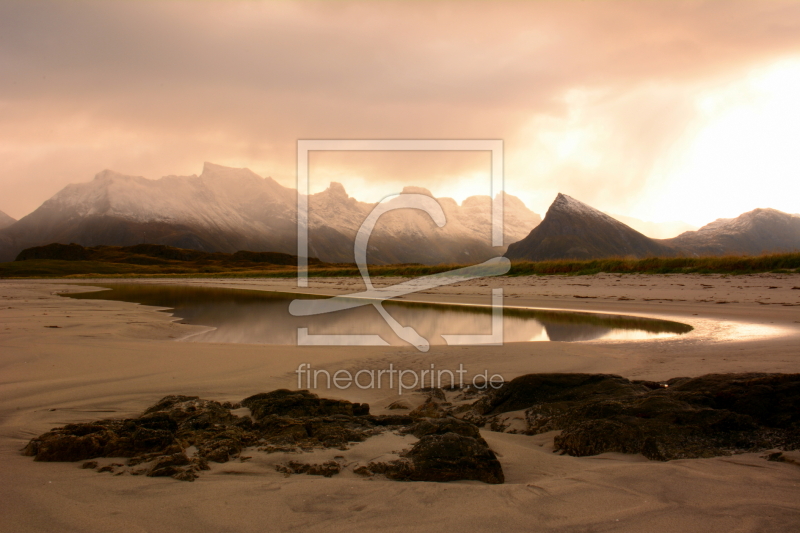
{"x": 567, "y": 206}
{"x": 210, "y": 167}
{"x": 758, "y": 231}
{"x": 109, "y": 175}
{"x": 562, "y": 200}
{"x": 214, "y": 171}
{"x": 411, "y": 189}
{"x": 568, "y": 203}
{"x": 574, "y": 230}
{"x": 337, "y": 190}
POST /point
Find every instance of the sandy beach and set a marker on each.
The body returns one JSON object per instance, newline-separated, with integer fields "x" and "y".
{"x": 113, "y": 359}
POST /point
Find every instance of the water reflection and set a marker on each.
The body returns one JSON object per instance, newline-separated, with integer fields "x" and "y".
{"x": 258, "y": 317}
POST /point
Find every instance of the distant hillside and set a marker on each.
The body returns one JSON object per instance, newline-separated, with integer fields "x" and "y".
{"x": 226, "y": 209}
{"x": 155, "y": 254}
{"x": 755, "y": 232}
{"x": 57, "y": 261}
{"x": 574, "y": 230}
{"x": 5, "y": 220}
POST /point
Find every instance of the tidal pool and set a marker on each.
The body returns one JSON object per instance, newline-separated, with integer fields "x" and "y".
{"x": 261, "y": 317}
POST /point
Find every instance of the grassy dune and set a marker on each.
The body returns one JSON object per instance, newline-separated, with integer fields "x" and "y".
{"x": 730, "y": 264}
{"x": 52, "y": 268}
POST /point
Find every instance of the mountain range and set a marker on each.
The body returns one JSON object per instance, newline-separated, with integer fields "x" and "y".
{"x": 574, "y": 230}
{"x": 755, "y": 232}
{"x": 227, "y": 210}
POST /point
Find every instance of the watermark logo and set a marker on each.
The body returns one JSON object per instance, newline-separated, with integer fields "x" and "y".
{"x": 391, "y": 378}
{"x": 376, "y": 296}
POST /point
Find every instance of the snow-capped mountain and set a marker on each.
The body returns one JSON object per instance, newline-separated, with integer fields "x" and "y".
{"x": 755, "y": 232}
{"x": 574, "y": 230}
{"x": 6, "y": 220}
{"x": 226, "y": 209}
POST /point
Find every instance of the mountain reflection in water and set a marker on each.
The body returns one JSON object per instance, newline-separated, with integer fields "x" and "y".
{"x": 260, "y": 317}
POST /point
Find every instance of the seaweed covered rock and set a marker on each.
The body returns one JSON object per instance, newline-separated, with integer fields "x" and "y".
{"x": 157, "y": 443}
{"x": 104, "y": 438}
{"x": 300, "y": 403}
{"x": 444, "y": 457}
{"x": 440, "y": 426}
{"x": 168, "y": 465}
{"x": 326, "y": 469}
{"x": 450, "y": 457}
{"x": 668, "y": 434}
{"x": 771, "y": 400}
{"x": 711, "y": 415}
{"x": 311, "y": 432}
{"x": 429, "y": 409}
{"x": 533, "y": 389}
{"x": 190, "y": 412}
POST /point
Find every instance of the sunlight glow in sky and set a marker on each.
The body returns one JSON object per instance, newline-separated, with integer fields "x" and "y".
{"x": 745, "y": 151}
{"x": 738, "y": 151}
{"x": 658, "y": 110}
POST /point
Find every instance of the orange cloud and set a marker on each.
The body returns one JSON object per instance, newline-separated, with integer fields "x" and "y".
{"x": 155, "y": 88}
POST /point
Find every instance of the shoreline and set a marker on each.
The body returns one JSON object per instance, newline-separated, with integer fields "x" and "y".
{"x": 113, "y": 359}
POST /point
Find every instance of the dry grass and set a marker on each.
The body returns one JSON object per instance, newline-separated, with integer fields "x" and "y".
{"x": 47, "y": 268}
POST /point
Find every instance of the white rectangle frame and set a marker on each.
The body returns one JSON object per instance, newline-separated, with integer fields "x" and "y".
{"x": 304, "y": 146}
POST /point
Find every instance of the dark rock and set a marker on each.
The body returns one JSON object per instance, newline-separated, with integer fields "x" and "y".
{"x": 442, "y": 426}
{"x": 451, "y": 457}
{"x": 327, "y": 469}
{"x": 711, "y": 415}
{"x": 391, "y": 420}
{"x": 776, "y": 456}
{"x": 301, "y": 403}
{"x": 165, "y": 465}
{"x": 219, "y": 443}
{"x": 326, "y": 432}
{"x": 363, "y": 471}
{"x": 532, "y": 389}
{"x": 430, "y": 409}
{"x": 287, "y": 421}
{"x": 772, "y": 400}
{"x": 104, "y": 438}
{"x": 185, "y": 475}
{"x": 400, "y": 469}
{"x": 449, "y": 449}
{"x": 186, "y": 413}
{"x": 399, "y": 404}
{"x": 435, "y": 393}
{"x": 151, "y": 439}
{"x": 446, "y": 457}
{"x": 779, "y": 457}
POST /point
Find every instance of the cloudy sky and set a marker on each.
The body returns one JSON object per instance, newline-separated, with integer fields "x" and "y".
{"x": 658, "y": 110}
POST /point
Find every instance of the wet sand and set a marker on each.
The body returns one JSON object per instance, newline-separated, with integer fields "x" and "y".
{"x": 113, "y": 359}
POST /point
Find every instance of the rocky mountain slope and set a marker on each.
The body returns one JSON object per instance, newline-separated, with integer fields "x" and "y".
{"x": 755, "y": 232}
{"x": 5, "y": 220}
{"x": 574, "y": 230}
